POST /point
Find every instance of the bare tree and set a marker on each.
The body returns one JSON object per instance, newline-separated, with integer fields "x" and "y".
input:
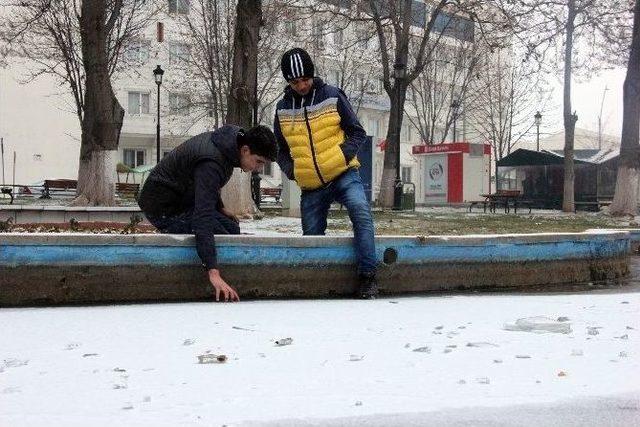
{"x": 395, "y": 25}
{"x": 506, "y": 96}
{"x": 81, "y": 44}
{"x": 625, "y": 200}
{"x": 446, "y": 80}
{"x": 553, "y": 31}
{"x": 240, "y": 103}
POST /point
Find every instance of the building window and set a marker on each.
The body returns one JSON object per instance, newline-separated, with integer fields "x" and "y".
{"x": 406, "y": 132}
{"x": 406, "y": 174}
{"x": 133, "y": 157}
{"x": 166, "y": 151}
{"x": 179, "y": 6}
{"x": 179, "y": 104}
{"x": 138, "y": 103}
{"x": 138, "y": 51}
{"x": 179, "y": 52}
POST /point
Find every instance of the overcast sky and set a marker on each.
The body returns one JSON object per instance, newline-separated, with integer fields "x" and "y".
{"x": 587, "y": 99}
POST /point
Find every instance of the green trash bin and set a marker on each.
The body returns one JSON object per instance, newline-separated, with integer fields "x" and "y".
{"x": 408, "y": 198}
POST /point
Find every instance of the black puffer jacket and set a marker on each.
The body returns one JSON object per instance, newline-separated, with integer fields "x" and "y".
{"x": 189, "y": 178}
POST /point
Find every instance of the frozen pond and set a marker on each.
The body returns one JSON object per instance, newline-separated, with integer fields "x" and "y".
{"x": 393, "y": 361}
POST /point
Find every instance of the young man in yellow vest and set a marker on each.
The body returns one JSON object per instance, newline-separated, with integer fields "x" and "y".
{"x": 319, "y": 137}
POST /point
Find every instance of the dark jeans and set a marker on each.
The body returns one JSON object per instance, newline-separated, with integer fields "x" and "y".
{"x": 182, "y": 223}
{"x": 347, "y": 190}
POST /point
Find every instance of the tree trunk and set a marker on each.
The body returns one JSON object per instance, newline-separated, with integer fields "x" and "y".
{"x": 570, "y": 119}
{"x": 103, "y": 114}
{"x": 237, "y": 193}
{"x": 625, "y": 200}
{"x": 393, "y": 144}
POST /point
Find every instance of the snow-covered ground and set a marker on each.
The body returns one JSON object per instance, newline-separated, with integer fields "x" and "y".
{"x": 429, "y": 360}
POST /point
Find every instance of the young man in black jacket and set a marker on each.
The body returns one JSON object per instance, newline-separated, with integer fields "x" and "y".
{"x": 182, "y": 193}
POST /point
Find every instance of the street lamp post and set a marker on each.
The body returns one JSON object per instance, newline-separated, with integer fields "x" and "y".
{"x": 157, "y": 74}
{"x": 455, "y": 107}
{"x": 399, "y": 73}
{"x": 538, "y": 120}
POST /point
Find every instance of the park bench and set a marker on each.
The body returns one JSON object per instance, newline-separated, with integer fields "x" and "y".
{"x": 274, "y": 192}
{"x": 594, "y": 205}
{"x": 128, "y": 190}
{"x": 504, "y": 198}
{"x": 8, "y": 191}
{"x": 58, "y": 185}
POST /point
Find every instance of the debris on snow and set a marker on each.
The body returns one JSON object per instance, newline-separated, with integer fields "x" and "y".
{"x": 577, "y": 352}
{"x": 483, "y": 380}
{"x": 623, "y": 337}
{"x": 539, "y": 324}
{"x": 592, "y": 330}
{"x": 211, "y": 358}
{"x": 497, "y": 360}
{"x": 15, "y": 363}
{"x": 622, "y": 354}
{"x": 355, "y": 357}
{"x": 424, "y": 349}
{"x": 189, "y": 341}
{"x": 284, "y": 341}
{"x": 482, "y": 344}
{"x": 523, "y": 356}
{"x": 562, "y": 374}
{"x": 358, "y": 403}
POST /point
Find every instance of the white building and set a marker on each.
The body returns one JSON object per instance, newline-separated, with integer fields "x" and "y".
{"x": 38, "y": 123}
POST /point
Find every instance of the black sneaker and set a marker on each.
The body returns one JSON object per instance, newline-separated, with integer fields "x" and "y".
{"x": 368, "y": 286}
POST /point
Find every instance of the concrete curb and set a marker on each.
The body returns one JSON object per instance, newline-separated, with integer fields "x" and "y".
{"x": 43, "y": 268}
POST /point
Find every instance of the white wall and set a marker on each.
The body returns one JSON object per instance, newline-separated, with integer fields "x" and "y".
{"x": 36, "y": 123}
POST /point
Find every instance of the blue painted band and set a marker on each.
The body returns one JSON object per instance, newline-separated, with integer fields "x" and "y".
{"x": 409, "y": 252}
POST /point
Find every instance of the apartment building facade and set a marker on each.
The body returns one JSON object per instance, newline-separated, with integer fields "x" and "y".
{"x": 36, "y": 119}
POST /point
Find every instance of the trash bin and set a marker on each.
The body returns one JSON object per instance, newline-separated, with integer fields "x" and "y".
{"x": 408, "y": 198}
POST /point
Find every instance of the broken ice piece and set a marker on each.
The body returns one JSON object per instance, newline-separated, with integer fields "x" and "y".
{"x": 592, "y": 331}
{"x": 14, "y": 363}
{"x": 577, "y": 352}
{"x": 358, "y": 403}
{"x": 539, "y": 324}
{"x": 211, "y": 358}
{"x": 407, "y": 345}
{"x": 462, "y": 327}
{"x": 393, "y": 302}
{"x": 438, "y": 327}
{"x": 448, "y": 350}
{"x": 462, "y": 382}
{"x": 562, "y": 374}
{"x": 624, "y": 302}
{"x": 523, "y": 356}
{"x": 119, "y": 370}
{"x": 424, "y": 349}
{"x": 146, "y": 399}
{"x": 622, "y": 354}
{"x": 629, "y": 328}
{"x": 562, "y": 319}
{"x": 355, "y": 357}
{"x": 284, "y": 341}
{"x": 482, "y": 380}
{"x": 72, "y": 346}
{"x": 189, "y": 341}
{"x": 497, "y": 360}
{"x": 623, "y": 337}
{"x": 89, "y": 354}
{"x": 127, "y": 406}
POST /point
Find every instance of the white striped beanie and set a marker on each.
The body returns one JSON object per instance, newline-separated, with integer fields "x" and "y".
{"x": 296, "y": 63}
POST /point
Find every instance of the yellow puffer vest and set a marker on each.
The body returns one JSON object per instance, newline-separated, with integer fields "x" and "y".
{"x": 314, "y": 135}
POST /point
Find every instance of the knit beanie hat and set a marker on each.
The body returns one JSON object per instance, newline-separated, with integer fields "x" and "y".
{"x": 296, "y": 63}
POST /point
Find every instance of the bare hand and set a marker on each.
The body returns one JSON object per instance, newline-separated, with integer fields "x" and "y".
{"x": 221, "y": 287}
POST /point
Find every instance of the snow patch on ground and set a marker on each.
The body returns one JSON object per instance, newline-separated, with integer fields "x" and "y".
{"x": 390, "y": 359}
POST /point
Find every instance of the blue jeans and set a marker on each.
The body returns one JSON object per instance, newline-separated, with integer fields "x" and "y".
{"x": 182, "y": 223}
{"x": 347, "y": 190}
